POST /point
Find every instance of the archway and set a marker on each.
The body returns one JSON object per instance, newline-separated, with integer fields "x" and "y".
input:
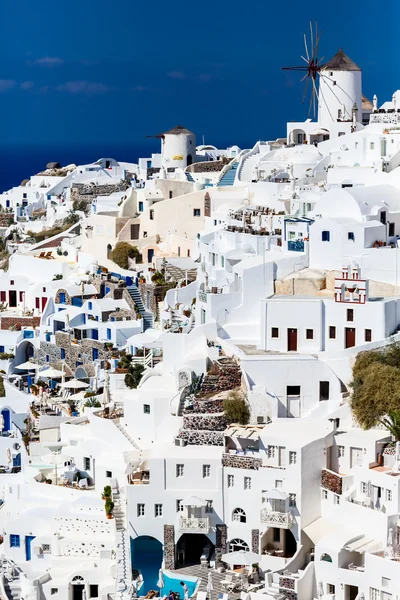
{"x": 80, "y": 373}
{"x": 146, "y": 557}
{"x": 109, "y": 250}
{"x": 78, "y": 585}
{"x": 191, "y": 546}
{"x": 5, "y": 413}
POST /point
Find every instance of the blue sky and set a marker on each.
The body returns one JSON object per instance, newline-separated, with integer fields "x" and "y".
{"x": 85, "y": 71}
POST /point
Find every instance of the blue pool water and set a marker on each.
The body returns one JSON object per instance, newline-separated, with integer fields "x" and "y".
{"x": 172, "y": 584}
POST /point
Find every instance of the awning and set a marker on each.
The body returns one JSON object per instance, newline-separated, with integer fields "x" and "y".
{"x": 363, "y": 544}
{"x": 276, "y": 494}
{"x": 319, "y": 529}
{"x": 320, "y": 131}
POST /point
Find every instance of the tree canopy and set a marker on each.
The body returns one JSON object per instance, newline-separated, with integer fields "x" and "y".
{"x": 122, "y": 252}
{"x": 376, "y": 385}
{"x": 236, "y": 409}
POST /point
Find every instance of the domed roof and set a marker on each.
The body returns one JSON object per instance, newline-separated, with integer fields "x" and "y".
{"x": 340, "y": 62}
{"x": 178, "y": 130}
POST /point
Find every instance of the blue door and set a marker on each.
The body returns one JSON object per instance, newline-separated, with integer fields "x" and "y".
{"x": 28, "y": 550}
{"x": 17, "y": 460}
{"x": 7, "y": 419}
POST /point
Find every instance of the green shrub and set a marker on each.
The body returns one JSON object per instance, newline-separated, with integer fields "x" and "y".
{"x": 2, "y": 390}
{"x": 122, "y": 252}
{"x": 107, "y": 492}
{"x": 132, "y": 379}
{"x": 236, "y": 409}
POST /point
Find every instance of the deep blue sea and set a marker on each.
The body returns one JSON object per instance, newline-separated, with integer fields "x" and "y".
{"x": 20, "y": 162}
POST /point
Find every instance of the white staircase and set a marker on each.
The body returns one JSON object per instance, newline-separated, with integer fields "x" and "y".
{"x": 126, "y": 434}
{"x": 123, "y": 551}
{"x": 246, "y": 170}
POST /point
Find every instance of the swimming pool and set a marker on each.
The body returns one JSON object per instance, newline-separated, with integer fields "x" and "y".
{"x": 172, "y": 584}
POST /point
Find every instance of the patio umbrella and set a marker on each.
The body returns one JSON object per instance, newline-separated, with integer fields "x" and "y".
{"x": 209, "y": 587}
{"x": 160, "y": 582}
{"x": 54, "y": 458}
{"x": 51, "y": 373}
{"x": 79, "y": 396}
{"x": 241, "y": 557}
{"x": 75, "y": 384}
{"x": 28, "y": 366}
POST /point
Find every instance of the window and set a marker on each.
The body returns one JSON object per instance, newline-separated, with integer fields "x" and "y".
{"x": 206, "y": 470}
{"x": 364, "y": 487}
{"x": 277, "y": 534}
{"x": 95, "y": 353}
{"x": 350, "y": 314}
{"x": 350, "y": 236}
{"x": 1, "y": 348}
{"x": 271, "y": 451}
{"x": 368, "y": 335}
{"x": 325, "y": 557}
{"x": 278, "y": 484}
{"x": 383, "y": 217}
{"x": 231, "y": 481}
{"x": 388, "y": 495}
{"x": 179, "y": 506}
{"x": 86, "y": 463}
{"x": 238, "y": 545}
{"x": 24, "y": 195}
{"x": 170, "y": 194}
{"x": 3, "y": 298}
{"x": 222, "y": 261}
{"x": 324, "y": 495}
{"x": 62, "y": 297}
{"x": 292, "y": 499}
{"x": 309, "y": 334}
{"x": 330, "y": 588}
{"x": 140, "y": 206}
{"x": 108, "y": 334}
{"x": 53, "y": 591}
{"x": 196, "y": 212}
{"x": 247, "y": 483}
{"x": 179, "y": 470}
{"x": 209, "y": 506}
{"x": 109, "y": 474}
{"x": 93, "y": 591}
{"x": 392, "y": 230}
{"x": 292, "y": 458}
{"x": 274, "y": 332}
{"x": 90, "y": 305}
{"x": 151, "y": 215}
{"x": 323, "y": 390}
{"x": 336, "y": 499}
{"x": 326, "y": 236}
{"x": 62, "y": 353}
{"x": 158, "y": 510}
{"x": 46, "y": 548}
{"x": 371, "y": 145}
{"x": 293, "y": 390}
{"x": 340, "y": 451}
{"x": 239, "y": 515}
{"x": 146, "y": 409}
{"x": 332, "y": 332}
{"x": 21, "y": 296}
{"x": 374, "y": 594}
{"x": 47, "y": 358}
{"x": 140, "y": 510}
{"x": 15, "y": 541}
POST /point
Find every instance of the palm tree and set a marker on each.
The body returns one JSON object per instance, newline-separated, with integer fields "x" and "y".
{"x": 392, "y": 423}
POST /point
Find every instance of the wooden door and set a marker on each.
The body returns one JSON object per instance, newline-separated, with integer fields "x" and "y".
{"x": 292, "y": 340}
{"x": 350, "y": 337}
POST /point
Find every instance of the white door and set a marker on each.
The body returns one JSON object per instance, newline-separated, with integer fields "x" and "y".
{"x": 356, "y": 457}
{"x": 293, "y": 407}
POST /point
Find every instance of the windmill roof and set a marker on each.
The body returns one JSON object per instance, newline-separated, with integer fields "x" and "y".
{"x": 366, "y": 104}
{"x": 178, "y": 130}
{"x": 341, "y": 62}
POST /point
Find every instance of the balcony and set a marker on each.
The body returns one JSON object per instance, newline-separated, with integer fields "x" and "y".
{"x": 284, "y": 520}
{"x": 194, "y": 524}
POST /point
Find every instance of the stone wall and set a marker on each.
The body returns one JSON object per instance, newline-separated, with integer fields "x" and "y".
{"x": 169, "y": 547}
{"x": 221, "y": 537}
{"x": 205, "y": 421}
{"x": 207, "y": 166}
{"x": 202, "y": 438}
{"x": 287, "y": 583}
{"x": 86, "y": 191}
{"x": 255, "y": 541}
{"x": 224, "y": 376}
{"x": 205, "y": 406}
{"x": 19, "y": 322}
{"x": 155, "y": 294}
{"x": 241, "y": 462}
{"x": 331, "y": 481}
{"x": 80, "y": 352}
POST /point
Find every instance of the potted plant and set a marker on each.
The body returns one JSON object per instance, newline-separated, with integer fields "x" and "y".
{"x": 106, "y": 492}
{"x": 109, "y": 507}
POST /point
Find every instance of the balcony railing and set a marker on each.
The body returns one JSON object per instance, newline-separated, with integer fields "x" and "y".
{"x": 193, "y": 524}
{"x": 277, "y": 519}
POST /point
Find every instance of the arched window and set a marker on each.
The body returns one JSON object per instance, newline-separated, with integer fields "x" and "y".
{"x": 78, "y": 579}
{"x": 237, "y": 545}
{"x": 239, "y": 515}
{"x": 326, "y": 558}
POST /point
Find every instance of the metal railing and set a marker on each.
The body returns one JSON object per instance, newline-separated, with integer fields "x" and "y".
{"x": 278, "y": 519}
{"x": 194, "y": 524}
{"x": 202, "y": 296}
